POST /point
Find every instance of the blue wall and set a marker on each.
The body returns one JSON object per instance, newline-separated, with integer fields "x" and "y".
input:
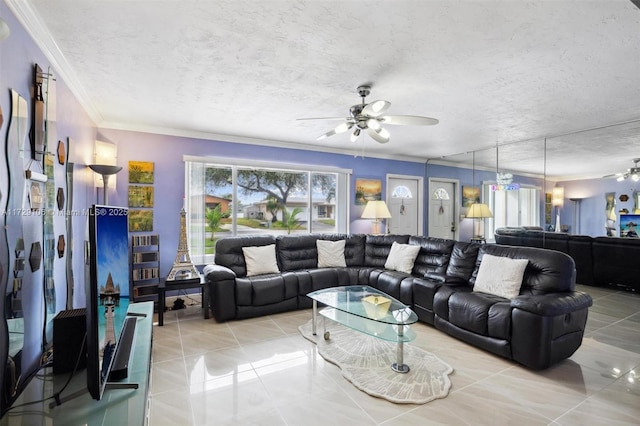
{"x": 590, "y": 217}
{"x": 18, "y": 55}
{"x": 167, "y": 154}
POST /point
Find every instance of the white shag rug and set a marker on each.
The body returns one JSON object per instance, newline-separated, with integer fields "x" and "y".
{"x": 366, "y": 362}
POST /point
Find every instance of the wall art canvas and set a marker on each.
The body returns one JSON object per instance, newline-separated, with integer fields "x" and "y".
{"x": 470, "y": 195}
{"x": 140, "y": 172}
{"x": 140, "y": 220}
{"x": 368, "y": 190}
{"x": 140, "y": 196}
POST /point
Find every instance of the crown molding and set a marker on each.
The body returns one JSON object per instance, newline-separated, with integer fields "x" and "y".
{"x": 356, "y": 152}
{"x": 34, "y": 26}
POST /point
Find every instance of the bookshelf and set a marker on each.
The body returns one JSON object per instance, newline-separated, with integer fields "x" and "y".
{"x": 145, "y": 267}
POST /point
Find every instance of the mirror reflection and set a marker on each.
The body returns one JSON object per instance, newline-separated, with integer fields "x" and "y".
{"x": 16, "y": 137}
{"x": 518, "y": 182}
{"x": 48, "y": 89}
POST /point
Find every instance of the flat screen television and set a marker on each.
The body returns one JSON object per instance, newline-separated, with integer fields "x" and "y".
{"x": 107, "y": 287}
{"x": 629, "y": 225}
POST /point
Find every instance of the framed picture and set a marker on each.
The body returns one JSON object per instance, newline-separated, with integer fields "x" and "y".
{"x": 140, "y": 172}
{"x": 140, "y": 220}
{"x": 470, "y": 195}
{"x": 368, "y": 190}
{"x": 140, "y": 196}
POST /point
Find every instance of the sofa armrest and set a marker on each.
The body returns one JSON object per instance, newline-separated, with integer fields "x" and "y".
{"x": 222, "y": 291}
{"x": 218, "y": 273}
{"x": 553, "y": 304}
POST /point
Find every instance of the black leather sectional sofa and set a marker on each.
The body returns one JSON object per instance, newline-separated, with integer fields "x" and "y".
{"x": 543, "y": 325}
{"x": 599, "y": 260}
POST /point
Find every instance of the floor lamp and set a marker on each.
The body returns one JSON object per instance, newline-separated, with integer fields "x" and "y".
{"x": 576, "y": 215}
{"x": 106, "y": 171}
{"x": 376, "y": 210}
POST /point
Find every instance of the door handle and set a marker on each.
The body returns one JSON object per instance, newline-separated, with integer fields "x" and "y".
{"x": 453, "y": 227}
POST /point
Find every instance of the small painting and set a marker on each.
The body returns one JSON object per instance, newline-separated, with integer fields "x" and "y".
{"x": 470, "y": 195}
{"x": 140, "y": 220}
{"x": 368, "y": 190}
{"x": 140, "y": 196}
{"x": 140, "y": 172}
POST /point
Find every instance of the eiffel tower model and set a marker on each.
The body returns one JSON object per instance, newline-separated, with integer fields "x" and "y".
{"x": 183, "y": 268}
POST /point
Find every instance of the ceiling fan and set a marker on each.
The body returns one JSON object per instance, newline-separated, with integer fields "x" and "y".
{"x": 633, "y": 172}
{"x": 369, "y": 117}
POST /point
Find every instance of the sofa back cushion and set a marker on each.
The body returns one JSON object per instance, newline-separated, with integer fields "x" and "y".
{"x": 296, "y": 252}
{"x": 548, "y": 271}
{"x": 229, "y": 251}
{"x": 434, "y": 255}
{"x": 462, "y": 262}
{"x": 377, "y": 248}
{"x": 509, "y": 236}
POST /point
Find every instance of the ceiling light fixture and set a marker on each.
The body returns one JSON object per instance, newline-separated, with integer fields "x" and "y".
{"x": 633, "y": 172}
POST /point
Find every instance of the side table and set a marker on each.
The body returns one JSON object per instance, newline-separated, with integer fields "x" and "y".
{"x": 182, "y": 284}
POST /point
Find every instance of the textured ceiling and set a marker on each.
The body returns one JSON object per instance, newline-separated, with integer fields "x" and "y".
{"x": 493, "y": 72}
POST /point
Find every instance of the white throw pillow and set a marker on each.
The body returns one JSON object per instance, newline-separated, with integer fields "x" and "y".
{"x": 402, "y": 257}
{"x": 260, "y": 260}
{"x": 331, "y": 253}
{"x": 501, "y": 276}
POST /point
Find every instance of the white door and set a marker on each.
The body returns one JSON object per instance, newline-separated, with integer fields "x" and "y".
{"x": 404, "y": 195}
{"x": 442, "y": 202}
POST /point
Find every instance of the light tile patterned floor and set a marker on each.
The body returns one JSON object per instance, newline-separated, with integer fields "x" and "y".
{"x": 262, "y": 372}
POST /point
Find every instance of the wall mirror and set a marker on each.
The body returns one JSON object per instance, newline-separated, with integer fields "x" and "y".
{"x": 14, "y": 309}
{"x": 53, "y": 224}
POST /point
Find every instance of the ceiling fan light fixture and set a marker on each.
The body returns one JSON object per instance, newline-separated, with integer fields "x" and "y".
{"x": 354, "y": 135}
{"x": 343, "y": 127}
{"x": 635, "y": 177}
{"x": 379, "y": 106}
{"x": 620, "y": 178}
{"x": 384, "y": 133}
{"x": 374, "y": 124}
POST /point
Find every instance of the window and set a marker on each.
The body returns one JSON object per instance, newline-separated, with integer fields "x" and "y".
{"x": 511, "y": 207}
{"x": 401, "y": 191}
{"x": 231, "y": 197}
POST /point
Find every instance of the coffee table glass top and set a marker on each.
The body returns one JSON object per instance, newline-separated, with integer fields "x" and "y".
{"x": 368, "y": 310}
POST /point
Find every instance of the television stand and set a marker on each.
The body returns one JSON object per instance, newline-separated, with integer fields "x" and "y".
{"x": 120, "y": 407}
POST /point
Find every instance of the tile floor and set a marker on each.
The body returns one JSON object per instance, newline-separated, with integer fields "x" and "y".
{"x": 262, "y": 372}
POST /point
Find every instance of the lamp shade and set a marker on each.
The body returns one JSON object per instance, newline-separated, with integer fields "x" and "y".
{"x": 479, "y": 210}
{"x": 376, "y": 210}
{"x": 557, "y": 196}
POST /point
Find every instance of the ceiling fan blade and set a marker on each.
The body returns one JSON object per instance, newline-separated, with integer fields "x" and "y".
{"x": 323, "y": 118}
{"x": 375, "y": 108}
{"x": 380, "y": 135}
{"x": 409, "y": 120}
{"x": 340, "y": 129}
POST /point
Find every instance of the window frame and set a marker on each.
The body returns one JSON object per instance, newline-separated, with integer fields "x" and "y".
{"x": 195, "y": 167}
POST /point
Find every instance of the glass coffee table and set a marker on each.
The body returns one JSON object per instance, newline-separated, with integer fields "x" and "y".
{"x": 369, "y": 311}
